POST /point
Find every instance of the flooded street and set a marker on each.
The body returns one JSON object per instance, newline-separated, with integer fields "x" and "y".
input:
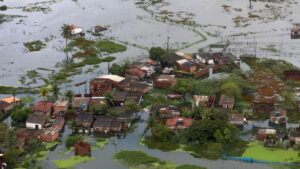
{"x": 140, "y": 27}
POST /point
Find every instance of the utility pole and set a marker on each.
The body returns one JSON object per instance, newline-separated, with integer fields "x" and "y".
{"x": 250, "y": 4}
{"x": 254, "y": 46}
{"x": 168, "y": 38}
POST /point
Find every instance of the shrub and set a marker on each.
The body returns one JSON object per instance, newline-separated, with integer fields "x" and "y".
{"x": 72, "y": 140}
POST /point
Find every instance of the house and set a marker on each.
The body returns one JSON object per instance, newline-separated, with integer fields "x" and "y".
{"x": 179, "y": 123}
{"x": 102, "y": 124}
{"x": 49, "y": 134}
{"x": 76, "y": 30}
{"x": 60, "y": 106}
{"x": 135, "y": 96}
{"x": 80, "y": 103}
{"x": 44, "y": 106}
{"x": 119, "y": 97}
{"x": 294, "y": 135}
{"x": 97, "y": 101}
{"x": 125, "y": 118}
{"x": 36, "y": 121}
{"x": 263, "y": 107}
{"x": 58, "y": 123}
{"x": 167, "y": 70}
{"x": 173, "y": 95}
{"x": 292, "y": 74}
{"x": 6, "y": 104}
{"x": 278, "y": 116}
{"x": 116, "y": 125}
{"x": 208, "y": 101}
{"x": 174, "y": 57}
{"x": 27, "y": 134}
{"x": 104, "y": 83}
{"x": 205, "y": 58}
{"x": 99, "y": 28}
{"x": 186, "y": 65}
{"x": 85, "y": 119}
{"x": 165, "y": 81}
{"x": 262, "y": 134}
{"x": 295, "y": 33}
{"x": 236, "y": 119}
{"x": 226, "y": 102}
{"x": 223, "y": 58}
{"x": 165, "y": 111}
{"x": 132, "y": 85}
{"x": 136, "y": 72}
{"x": 82, "y": 148}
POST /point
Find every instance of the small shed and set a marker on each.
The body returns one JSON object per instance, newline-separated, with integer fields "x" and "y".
{"x": 226, "y": 102}
{"x": 236, "y": 119}
{"x": 82, "y": 148}
{"x": 208, "y": 101}
{"x": 262, "y": 134}
{"x": 165, "y": 81}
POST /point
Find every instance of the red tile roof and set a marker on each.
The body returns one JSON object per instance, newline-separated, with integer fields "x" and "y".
{"x": 43, "y": 106}
{"x": 137, "y": 72}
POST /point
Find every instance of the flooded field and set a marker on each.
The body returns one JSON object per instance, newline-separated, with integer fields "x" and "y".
{"x": 263, "y": 30}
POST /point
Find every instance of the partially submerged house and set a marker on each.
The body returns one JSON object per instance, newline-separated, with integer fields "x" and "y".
{"x": 236, "y": 119}
{"x": 126, "y": 118}
{"x": 43, "y": 106}
{"x": 165, "y": 111}
{"x": 226, "y": 102}
{"x": 136, "y": 72}
{"x": 104, "y": 124}
{"x": 120, "y": 97}
{"x": 85, "y": 119}
{"x": 58, "y": 123}
{"x": 82, "y": 148}
{"x": 36, "y": 121}
{"x": 295, "y": 33}
{"x": 165, "y": 81}
{"x": 104, "y": 83}
{"x": 27, "y": 134}
{"x": 99, "y": 28}
{"x": 80, "y": 103}
{"x": 292, "y": 74}
{"x": 132, "y": 85}
{"x": 6, "y": 104}
{"x": 49, "y": 134}
{"x": 278, "y": 116}
{"x": 208, "y": 101}
{"x": 179, "y": 123}
{"x": 60, "y": 107}
{"x": 262, "y": 134}
{"x": 76, "y": 30}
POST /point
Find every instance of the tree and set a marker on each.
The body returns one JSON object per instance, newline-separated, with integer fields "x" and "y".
{"x": 55, "y": 91}
{"x": 289, "y": 100}
{"x": 109, "y": 98}
{"x": 72, "y": 140}
{"x": 74, "y": 125}
{"x": 44, "y": 92}
{"x": 161, "y": 133}
{"x": 21, "y": 115}
{"x": 159, "y": 54}
{"x": 11, "y": 156}
{"x": 231, "y": 89}
{"x": 11, "y": 141}
{"x": 197, "y": 111}
{"x": 120, "y": 69}
{"x": 183, "y": 86}
{"x": 206, "y": 114}
{"x": 132, "y": 106}
{"x": 219, "y": 136}
{"x": 69, "y": 94}
{"x": 32, "y": 144}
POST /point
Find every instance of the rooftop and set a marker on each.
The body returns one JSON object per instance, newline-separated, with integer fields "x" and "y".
{"x": 36, "y": 118}
{"x": 59, "y": 103}
{"x": 114, "y": 78}
{"x": 179, "y": 121}
{"x": 10, "y": 99}
{"x": 43, "y": 106}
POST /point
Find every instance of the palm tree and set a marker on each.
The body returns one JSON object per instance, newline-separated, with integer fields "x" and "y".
{"x": 55, "y": 91}
{"x": 67, "y": 35}
{"x": 206, "y": 114}
{"x": 69, "y": 94}
{"x": 44, "y": 92}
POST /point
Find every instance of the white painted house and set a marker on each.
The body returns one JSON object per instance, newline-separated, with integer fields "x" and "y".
{"x": 36, "y": 121}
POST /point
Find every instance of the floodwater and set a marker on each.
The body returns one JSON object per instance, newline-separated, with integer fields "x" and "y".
{"x": 139, "y": 29}
{"x": 104, "y": 157}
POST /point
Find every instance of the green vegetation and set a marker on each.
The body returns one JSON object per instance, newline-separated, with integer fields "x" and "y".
{"x": 102, "y": 142}
{"x": 120, "y": 69}
{"x": 159, "y": 54}
{"x": 110, "y": 47}
{"x": 270, "y": 48}
{"x": 72, "y": 140}
{"x": 17, "y": 90}
{"x": 256, "y": 150}
{"x": 137, "y": 159}
{"x": 34, "y": 45}
{"x": 68, "y": 163}
{"x": 21, "y": 115}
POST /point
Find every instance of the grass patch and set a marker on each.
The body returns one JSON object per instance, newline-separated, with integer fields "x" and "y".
{"x": 110, "y": 47}
{"x": 209, "y": 150}
{"x": 163, "y": 146}
{"x": 73, "y": 161}
{"x": 102, "y": 142}
{"x": 256, "y": 150}
{"x": 42, "y": 155}
{"x": 50, "y": 145}
{"x": 17, "y": 90}
{"x": 187, "y": 166}
{"x": 34, "y": 45}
